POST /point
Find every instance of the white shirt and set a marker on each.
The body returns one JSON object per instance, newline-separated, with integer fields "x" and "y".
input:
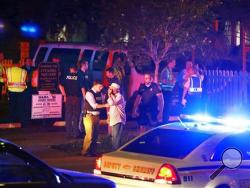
{"x": 91, "y": 100}
{"x": 117, "y": 109}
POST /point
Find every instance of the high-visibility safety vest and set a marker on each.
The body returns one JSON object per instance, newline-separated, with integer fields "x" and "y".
{"x": 16, "y": 79}
{"x": 195, "y": 85}
{"x": 1, "y": 73}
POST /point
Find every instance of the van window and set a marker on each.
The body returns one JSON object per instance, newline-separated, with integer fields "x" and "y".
{"x": 87, "y": 54}
{"x": 40, "y": 55}
{"x": 65, "y": 56}
{"x": 100, "y": 60}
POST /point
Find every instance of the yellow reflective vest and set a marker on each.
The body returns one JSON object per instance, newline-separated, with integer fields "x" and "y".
{"x": 16, "y": 79}
{"x": 1, "y": 73}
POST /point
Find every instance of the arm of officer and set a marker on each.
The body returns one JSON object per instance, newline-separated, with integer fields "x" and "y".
{"x": 83, "y": 90}
{"x": 63, "y": 92}
{"x": 136, "y": 105}
{"x": 91, "y": 100}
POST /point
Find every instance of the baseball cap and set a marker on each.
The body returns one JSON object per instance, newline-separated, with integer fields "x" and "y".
{"x": 115, "y": 85}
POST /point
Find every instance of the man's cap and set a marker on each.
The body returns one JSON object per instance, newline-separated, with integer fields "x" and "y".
{"x": 115, "y": 85}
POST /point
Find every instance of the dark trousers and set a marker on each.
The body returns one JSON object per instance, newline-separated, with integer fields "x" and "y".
{"x": 16, "y": 107}
{"x": 80, "y": 123}
{"x": 72, "y": 111}
{"x": 91, "y": 124}
{"x": 194, "y": 104}
{"x": 167, "y": 95}
{"x": 27, "y": 105}
{"x": 116, "y": 135}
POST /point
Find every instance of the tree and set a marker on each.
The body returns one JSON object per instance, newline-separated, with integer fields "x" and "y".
{"x": 156, "y": 30}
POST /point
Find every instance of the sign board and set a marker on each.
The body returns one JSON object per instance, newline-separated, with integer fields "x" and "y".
{"x": 48, "y": 77}
{"x": 46, "y": 105}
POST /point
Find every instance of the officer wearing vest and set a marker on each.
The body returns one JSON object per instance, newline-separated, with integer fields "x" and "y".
{"x": 93, "y": 104}
{"x": 167, "y": 83}
{"x": 16, "y": 83}
{"x": 192, "y": 93}
{"x": 70, "y": 88}
{"x": 2, "y": 74}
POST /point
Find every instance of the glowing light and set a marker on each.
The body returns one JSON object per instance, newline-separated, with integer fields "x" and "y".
{"x": 229, "y": 123}
{"x": 30, "y": 30}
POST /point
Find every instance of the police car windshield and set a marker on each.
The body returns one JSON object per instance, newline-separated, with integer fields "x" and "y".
{"x": 167, "y": 143}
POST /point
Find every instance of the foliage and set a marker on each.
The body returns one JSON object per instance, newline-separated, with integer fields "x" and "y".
{"x": 158, "y": 30}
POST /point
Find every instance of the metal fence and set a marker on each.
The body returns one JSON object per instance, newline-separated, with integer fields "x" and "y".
{"x": 226, "y": 91}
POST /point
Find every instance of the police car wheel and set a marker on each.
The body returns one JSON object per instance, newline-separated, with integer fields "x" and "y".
{"x": 223, "y": 186}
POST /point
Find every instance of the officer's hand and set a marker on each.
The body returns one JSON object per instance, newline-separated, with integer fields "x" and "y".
{"x": 64, "y": 98}
{"x": 184, "y": 102}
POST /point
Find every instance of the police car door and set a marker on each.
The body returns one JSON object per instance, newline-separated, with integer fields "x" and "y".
{"x": 241, "y": 174}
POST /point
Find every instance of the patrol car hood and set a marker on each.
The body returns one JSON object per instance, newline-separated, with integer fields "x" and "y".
{"x": 134, "y": 164}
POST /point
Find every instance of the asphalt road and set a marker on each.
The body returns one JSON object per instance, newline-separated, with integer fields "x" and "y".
{"x": 51, "y": 145}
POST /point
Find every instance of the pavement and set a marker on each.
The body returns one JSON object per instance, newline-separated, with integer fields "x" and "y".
{"x": 50, "y": 144}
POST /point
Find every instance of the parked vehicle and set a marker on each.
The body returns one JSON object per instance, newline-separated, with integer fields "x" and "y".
{"x": 21, "y": 169}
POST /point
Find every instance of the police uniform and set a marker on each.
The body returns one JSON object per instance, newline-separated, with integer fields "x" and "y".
{"x": 91, "y": 121}
{"x": 16, "y": 83}
{"x": 148, "y": 108}
{"x": 167, "y": 90}
{"x": 194, "y": 95}
{"x": 72, "y": 87}
{"x": 86, "y": 83}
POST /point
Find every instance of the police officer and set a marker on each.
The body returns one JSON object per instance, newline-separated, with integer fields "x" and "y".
{"x": 167, "y": 83}
{"x": 16, "y": 83}
{"x": 192, "y": 92}
{"x": 70, "y": 88}
{"x": 2, "y": 74}
{"x": 86, "y": 83}
{"x": 148, "y": 106}
{"x": 93, "y": 104}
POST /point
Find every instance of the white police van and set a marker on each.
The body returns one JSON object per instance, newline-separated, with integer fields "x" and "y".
{"x": 190, "y": 155}
{"x": 71, "y": 53}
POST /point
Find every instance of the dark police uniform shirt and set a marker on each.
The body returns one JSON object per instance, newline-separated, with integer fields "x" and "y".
{"x": 72, "y": 86}
{"x": 149, "y": 95}
{"x": 85, "y": 80}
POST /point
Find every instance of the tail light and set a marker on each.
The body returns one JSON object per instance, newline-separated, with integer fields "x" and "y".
{"x": 167, "y": 175}
{"x": 98, "y": 165}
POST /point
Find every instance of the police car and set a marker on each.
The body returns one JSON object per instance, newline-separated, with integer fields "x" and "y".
{"x": 194, "y": 154}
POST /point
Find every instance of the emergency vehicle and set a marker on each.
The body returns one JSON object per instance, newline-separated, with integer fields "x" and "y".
{"x": 194, "y": 154}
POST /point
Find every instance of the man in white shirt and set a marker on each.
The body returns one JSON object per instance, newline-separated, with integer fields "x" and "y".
{"x": 92, "y": 106}
{"x": 117, "y": 115}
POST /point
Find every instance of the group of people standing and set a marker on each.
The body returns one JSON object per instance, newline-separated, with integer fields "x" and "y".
{"x": 86, "y": 99}
{"x": 153, "y": 102}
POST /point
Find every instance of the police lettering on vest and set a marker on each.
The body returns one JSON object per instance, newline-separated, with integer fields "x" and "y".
{"x": 195, "y": 85}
